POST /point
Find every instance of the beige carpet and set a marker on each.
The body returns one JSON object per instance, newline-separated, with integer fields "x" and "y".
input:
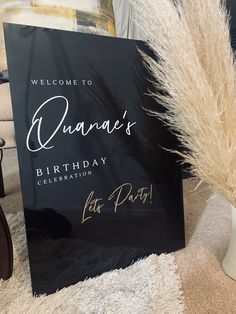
{"x": 149, "y": 286}
{"x": 206, "y": 288}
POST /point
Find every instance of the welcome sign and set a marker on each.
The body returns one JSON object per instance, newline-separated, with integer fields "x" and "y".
{"x": 99, "y": 191}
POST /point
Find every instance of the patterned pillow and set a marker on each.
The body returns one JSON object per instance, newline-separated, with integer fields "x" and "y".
{"x": 92, "y": 16}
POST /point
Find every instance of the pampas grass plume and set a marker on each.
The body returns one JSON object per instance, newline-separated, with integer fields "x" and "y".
{"x": 196, "y": 69}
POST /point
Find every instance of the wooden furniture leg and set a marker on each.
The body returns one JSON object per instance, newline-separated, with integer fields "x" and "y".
{"x": 2, "y": 191}
{"x": 6, "y": 251}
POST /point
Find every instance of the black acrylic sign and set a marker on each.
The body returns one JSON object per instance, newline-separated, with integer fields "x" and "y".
{"x": 99, "y": 191}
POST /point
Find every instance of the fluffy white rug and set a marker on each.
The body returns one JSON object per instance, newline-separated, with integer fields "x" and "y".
{"x": 149, "y": 286}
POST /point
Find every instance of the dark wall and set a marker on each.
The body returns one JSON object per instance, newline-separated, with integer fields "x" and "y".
{"x": 231, "y": 4}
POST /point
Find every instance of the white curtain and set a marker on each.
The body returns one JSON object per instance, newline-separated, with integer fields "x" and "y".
{"x": 125, "y": 26}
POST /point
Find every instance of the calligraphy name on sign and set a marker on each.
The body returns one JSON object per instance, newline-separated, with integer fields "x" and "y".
{"x": 81, "y": 127}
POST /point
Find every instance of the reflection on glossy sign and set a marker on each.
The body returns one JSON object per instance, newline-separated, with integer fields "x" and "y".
{"x": 99, "y": 191}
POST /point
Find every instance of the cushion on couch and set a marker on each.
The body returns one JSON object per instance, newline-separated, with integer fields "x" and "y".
{"x": 5, "y": 103}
